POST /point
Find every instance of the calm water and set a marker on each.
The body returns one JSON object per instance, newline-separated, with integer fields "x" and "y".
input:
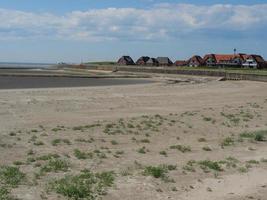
{"x": 17, "y": 82}
{"x": 24, "y": 65}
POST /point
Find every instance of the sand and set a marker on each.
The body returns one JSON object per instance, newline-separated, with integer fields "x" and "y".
{"x": 187, "y": 110}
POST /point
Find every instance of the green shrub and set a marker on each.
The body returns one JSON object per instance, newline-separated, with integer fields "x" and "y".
{"x": 55, "y": 142}
{"x": 11, "y": 176}
{"x": 18, "y": 163}
{"x": 38, "y": 143}
{"x": 171, "y": 167}
{"x": 243, "y": 169}
{"x": 227, "y": 142}
{"x": 255, "y": 162}
{"x": 257, "y": 135}
{"x": 210, "y": 164}
{"x": 4, "y": 194}
{"x": 145, "y": 141}
{"x": 247, "y": 135}
{"x": 55, "y": 165}
{"x": 86, "y": 185}
{"x": 164, "y": 153}
{"x": 181, "y": 148}
{"x": 156, "y": 172}
{"x": 82, "y": 155}
{"x": 260, "y": 137}
{"x": 142, "y": 150}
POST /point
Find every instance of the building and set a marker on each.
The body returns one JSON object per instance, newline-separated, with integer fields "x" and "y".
{"x": 181, "y": 63}
{"x": 210, "y": 60}
{"x": 152, "y": 62}
{"x": 142, "y": 60}
{"x": 224, "y": 60}
{"x": 164, "y": 61}
{"x": 254, "y": 61}
{"x": 126, "y": 60}
{"x": 196, "y": 61}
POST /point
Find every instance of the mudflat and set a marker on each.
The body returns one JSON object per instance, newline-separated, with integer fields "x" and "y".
{"x": 189, "y": 140}
{"x": 22, "y": 82}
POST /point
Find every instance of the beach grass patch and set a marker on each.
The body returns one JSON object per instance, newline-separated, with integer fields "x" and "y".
{"x": 86, "y": 185}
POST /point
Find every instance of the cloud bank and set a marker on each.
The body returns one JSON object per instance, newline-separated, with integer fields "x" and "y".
{"x": 160, "y": 22}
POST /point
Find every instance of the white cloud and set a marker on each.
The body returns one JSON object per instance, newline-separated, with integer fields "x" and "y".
{"x": 159, "y": 22}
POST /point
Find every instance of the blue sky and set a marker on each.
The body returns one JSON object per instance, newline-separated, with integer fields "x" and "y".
{"x": 92, "y": 30}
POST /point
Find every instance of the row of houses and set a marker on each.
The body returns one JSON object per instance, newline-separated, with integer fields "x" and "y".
{"x": 211, "y": 60}
{"x": 146, "y": 61}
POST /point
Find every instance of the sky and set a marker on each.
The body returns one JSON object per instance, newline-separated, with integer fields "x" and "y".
{"x": 77, "y": 31}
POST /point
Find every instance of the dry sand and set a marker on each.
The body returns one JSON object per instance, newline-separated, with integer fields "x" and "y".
{"x": 157, "y": 116}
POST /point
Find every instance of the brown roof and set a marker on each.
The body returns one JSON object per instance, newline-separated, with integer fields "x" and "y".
{"x": 243, "y": 56}
{"x": 198, "y": 59}
{"x": 257, "y": 58}
{"x": 224, "y": 57}
{"x": 181, "y": 62}
{"x": 126, "y": 60}
{"x": 143, "y": 59}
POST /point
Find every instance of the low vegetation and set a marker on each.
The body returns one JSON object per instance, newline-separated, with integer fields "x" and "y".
{"x": 82, "y": 155}
{"x": 86, "y": 185}
{"x": 55, "y": 165}
{"x": 228, "y": 141}
{"x": 106, "y": 145}
{"x": 56, "y": 142}
{"x": 181, "y": 148}
{"x": 11, "y": 176}
{"x": 259, "y": 136}
{"x": 207, "y": 164}
{"x": 156, "y": 172}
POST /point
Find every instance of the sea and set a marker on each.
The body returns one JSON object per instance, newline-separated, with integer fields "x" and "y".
{"x": 25, "y": 65}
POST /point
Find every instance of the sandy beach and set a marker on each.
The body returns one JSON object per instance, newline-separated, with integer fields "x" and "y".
{"x": 191, "y": 127}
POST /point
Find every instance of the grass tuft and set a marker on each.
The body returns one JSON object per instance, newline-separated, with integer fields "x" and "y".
{"x": 227, "y": 142}
{"x": 156, "y": 172}
{"x": 55, "y": 165}
{"x": 181, "y": 148}
{"x": 210, "y": 165}
{"x": 11, "y": 176}
{"x": 82, "y": 155}
{"x": 86, "y": 185}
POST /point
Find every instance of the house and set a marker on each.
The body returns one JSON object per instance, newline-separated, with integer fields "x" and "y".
{"x": 210, "y": 60}
{"x": 224, "y": 60}
{"x": 142, "y": 60}
{"x": 164, "y": 61}
{"x": 254, "y": 61}
{"x": 181, "y": 63}
{"x": 126, "y": 60}
{"x": 196, "y": 61}
{"x": 152, "y": 62}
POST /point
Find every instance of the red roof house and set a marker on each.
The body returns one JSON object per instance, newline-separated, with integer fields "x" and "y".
{"x": 254, "y": 61}
{"x": 196, "y": 61}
